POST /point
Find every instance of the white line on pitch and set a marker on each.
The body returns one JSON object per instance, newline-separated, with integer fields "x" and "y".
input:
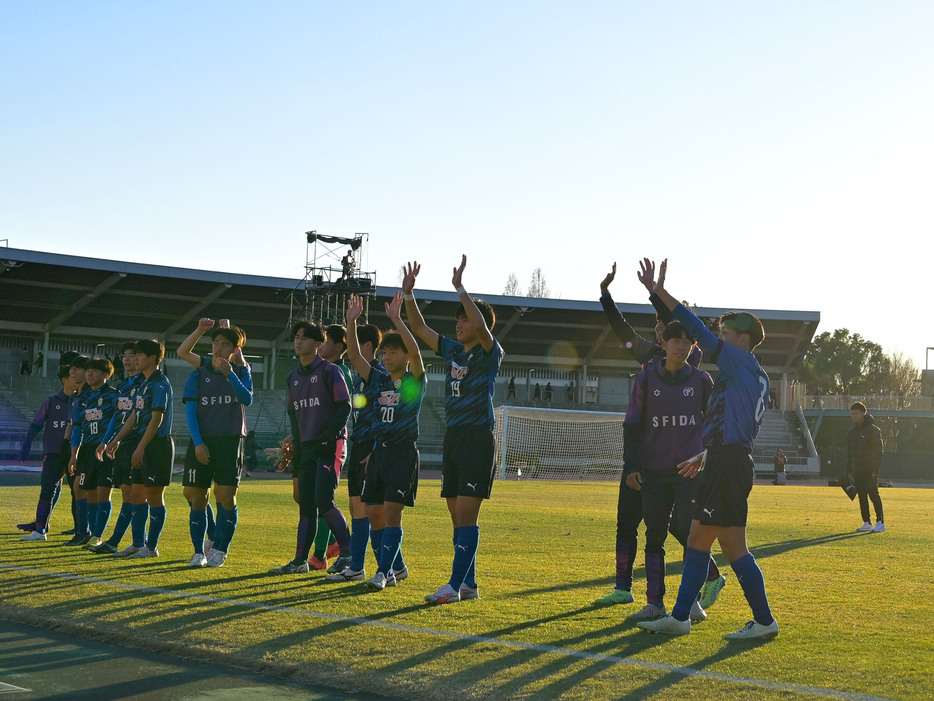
{"x": 514, "y": 644}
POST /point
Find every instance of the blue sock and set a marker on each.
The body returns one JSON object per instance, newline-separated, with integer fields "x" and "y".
{"x": 389, "y": 548}
{"x": 211, "y": 522}
{"x": 398, "y": 563}
{"x": 693, "y": 577}
{"x": 81, "y": 527}
{"x": 465, "y": 550}
{"x": 376, "y": 540}
{"x": 359, "y": 535}
{"x": 750, "y": 579}
{"x": 140, "y": 517}
{"x": 123, "y": 522}
{"x": 94, "y": 508}
{"x": 198, "y": 528}
{"x": 156, "y": 524}
{"x": 226, "y": 525}
{"x": 104, "y": 509}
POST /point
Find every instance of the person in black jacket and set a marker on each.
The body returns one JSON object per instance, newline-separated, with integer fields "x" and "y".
{"x": 863, "y": 460}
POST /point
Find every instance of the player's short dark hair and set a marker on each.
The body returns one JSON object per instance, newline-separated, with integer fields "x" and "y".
{"x": 79, "y": 361}
{"x": 234, "y": 334}
{"x": 127, "y": 346}
{"x": 858, "y": 406}
{"x": 393, "y": 339}
{"x": 102, "y": 364}
{"x": 309, "y": 329}
{"x": 744, "y": 322}
{"x": 151, "y": 347}
{"x": 486, "y": 311}
{"x": 676, "y": 329}
{"x": 64, "y": 371}
{"x": 337, "y": 333}
{"x": 369, "y": 333}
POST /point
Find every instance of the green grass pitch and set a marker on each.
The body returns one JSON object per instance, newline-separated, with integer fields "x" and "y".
{"x": 855, "y": 610}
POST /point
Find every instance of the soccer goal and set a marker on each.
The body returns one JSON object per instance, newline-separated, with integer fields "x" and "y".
{"x": 559, "y": 444}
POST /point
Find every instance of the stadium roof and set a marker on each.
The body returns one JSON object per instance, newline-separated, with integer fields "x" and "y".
{"x": 90, "y": 299}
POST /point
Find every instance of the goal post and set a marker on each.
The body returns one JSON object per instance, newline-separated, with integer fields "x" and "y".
{"x": 559, "y": 444}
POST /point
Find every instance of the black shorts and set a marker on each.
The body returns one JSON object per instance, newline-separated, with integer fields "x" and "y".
{"x": 392, "y": 475}
{"x": 723, "y": 492}
{"x": 158, "y": 458}
{"x": 469, "y": 459}
{"x": 226, "y": 458}
{"x": 123, "y": 468}
{"x": 87, "y": 468}
{"x": 356, "y": 467}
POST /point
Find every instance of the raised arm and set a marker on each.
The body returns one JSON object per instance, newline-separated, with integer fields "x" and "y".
{"x": 394, "y": 312}
{"x": 473, "y": 313}
{"x": 416, "y": 320}
{"x": 636, "y": 345}
{"x": 646, "y": 276}
{"x": 354, "y": 310}
{"x": 185, "y": 351}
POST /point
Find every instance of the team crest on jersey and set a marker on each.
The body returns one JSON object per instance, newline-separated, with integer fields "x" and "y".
{"x": 295, "y": 383}
{"x": 100, "y": 401}
{"x": 458, "y": 371}
{"x": 207, "y": 379}
{"x": 688, "y": 391}
{"x": 124, "y": 403}
{"x": 657, "y": 393}
{"x": 388, "y": 399}
{"x": 133, "y": 392}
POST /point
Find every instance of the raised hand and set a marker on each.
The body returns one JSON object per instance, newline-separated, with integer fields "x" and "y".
{"x": 394, "y": 308}
{"x": 205, "y": 324}
{"x": 354, "y": 308}
{"x": 457, "y": 279}
{"x": 646, "y": 274}
{"x": 408, "y": 280}
{"x": 224, "y": 323}
{"x": 662, "y": 271}
{"x": 605, "y": 285}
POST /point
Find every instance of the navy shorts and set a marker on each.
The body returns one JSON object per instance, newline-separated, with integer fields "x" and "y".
{"x": 356, "y": 467}
{"x": 157, "y": 463}
{"x": 723, "y": 492}
{"x": 226, "y": 459}
{"x": 123, "y": 468}
{"x": 87, "y": 468}
{"x": 392, "y": 475}
{"x": 469, "y": 459}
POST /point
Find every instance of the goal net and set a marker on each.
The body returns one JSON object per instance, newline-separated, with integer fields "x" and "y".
{"x": 559, "y": 444}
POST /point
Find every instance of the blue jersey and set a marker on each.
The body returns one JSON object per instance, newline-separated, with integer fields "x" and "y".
{"x": 364, "y": 406}
{"x": 123, "y": 407}
{"x": 92, "y": 415}
{"x": 740, "y": 394}
{"x": 154, "y": 394}
{"x": 396, "y": 406}
{"x": 469, "y": 382}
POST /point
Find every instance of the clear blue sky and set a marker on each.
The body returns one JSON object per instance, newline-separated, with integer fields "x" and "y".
{"x": 779, "y": 154}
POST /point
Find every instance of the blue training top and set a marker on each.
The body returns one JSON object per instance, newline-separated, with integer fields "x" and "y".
{"x": 740, "y": 394}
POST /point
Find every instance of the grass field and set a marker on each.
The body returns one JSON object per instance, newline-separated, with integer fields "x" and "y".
{"x": 855, "y": 610}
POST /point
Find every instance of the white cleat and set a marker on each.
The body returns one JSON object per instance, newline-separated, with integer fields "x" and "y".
{"x": 649, "y": 612}
{"x": 865, "y": 528}
{"x": 879, "y": 527}
{"x": 445, "y": 595}
{"x": 697, "y": 613}
{"x": 35, "y": 535}
{"x": 217, "y": 558}
{"x": 127, "y": 551}
{"x": 666, "y": 624}
{"x": 468, "y": 592}
{"x": 198, "y": 560}
{"x": 144, "y": 552}
{"x": 347, "y": 575}
{"x": 753, "y": 630}
{"x": 377, "y": 582}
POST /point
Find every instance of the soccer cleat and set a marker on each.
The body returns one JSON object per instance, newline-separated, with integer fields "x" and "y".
{"x": 865, "y": 528}
{"x": 879, "y": 527}
{"x": 347, "y": 575}
{"x": 334, "y": 550}
{"x": 127, "y": 551}
{"x": 401, "y": 574}
{"x": 340, "y": 564}
{"x": 70, "y": 531}
{"x": 391, "y": 579}
{"x": 290, "y": 568}
{"x": 697, "y": 612}
{"x": 93, "y": 543}
{"x": 711, "y": 591}
{"x": 208, "y": 547}
{"x": 35, "y": 535}
{"x": 617, "y": 596}
{"x": 217, "y": 558}
{"x": 145, "y": 552}
{"x": 377, "y": 582}
{"x": 753, "y": 630}
{"x": 28, "y": 527}
{"x": 468, "y": 592}
{"x": 445, "y": 595}
{"x": 77, "y": 540}
{"x": 649, "y": 612}
{"x": 666, "y": 624}
{"x": 198, "y": 560}
{"x": 104, "y": 548}
{"x": 315, "y": 563}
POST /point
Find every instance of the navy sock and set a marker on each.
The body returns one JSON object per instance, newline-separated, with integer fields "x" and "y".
{"x": 693, "y": 577}
{"x": 465, "y": 551}
{"x": 94, "y": 508}
{"x": 389, "y": 548}
{"x": 226, "y": 525}
{"x": 140, "y": 516}
{"x": 212, "y": 524}
{"x": 198, "y": 528}
{"x": 156, "y": 524}
{"x": 359, "y": 535}
{"x": 398, "y": 563}
{"x": 376, "y": 540}
{"x": 81, "y": 521}
{"x": 750, "y": 579}
{"x": 123, "y": 522}
{"x": 104, "y": 509}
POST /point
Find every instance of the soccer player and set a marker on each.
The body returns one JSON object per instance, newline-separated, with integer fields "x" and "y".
{"x": 469, "y": 452}
{"x": 734, "y": 414}
{"x": 151, "y": 426}
{"x": 93, "y": 477}
{"x": 318, "y": 404}
{"x": 396, "y": 390}
{"x": 52, "y": 421}
{"x": 77, "y": 365}
{"x": 664, "y": 426}
{"x": 215, "y": 399}
{"x": 126, "y": 398}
